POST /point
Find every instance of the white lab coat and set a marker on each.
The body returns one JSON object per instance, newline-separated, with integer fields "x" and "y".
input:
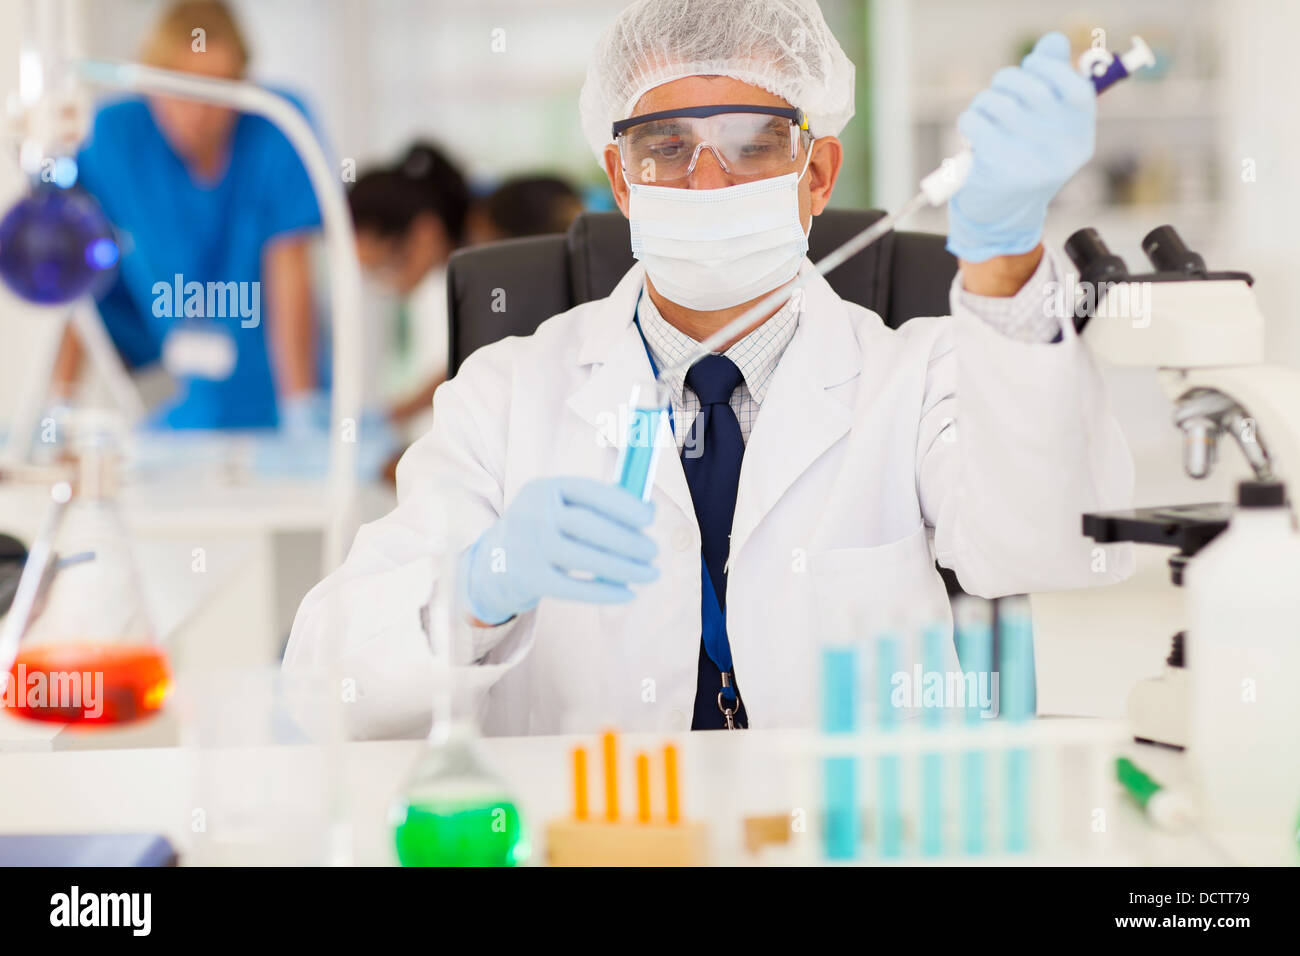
{"x": 853, "y": 482}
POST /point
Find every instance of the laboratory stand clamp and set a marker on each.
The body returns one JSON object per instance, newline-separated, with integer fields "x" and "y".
{"x": 1225, "y": 681}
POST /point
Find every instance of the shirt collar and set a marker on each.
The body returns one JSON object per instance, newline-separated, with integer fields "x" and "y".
{"x": 756, "y": 355}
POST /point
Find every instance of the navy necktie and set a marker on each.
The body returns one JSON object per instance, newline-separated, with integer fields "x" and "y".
{"x": 711, "y": 460}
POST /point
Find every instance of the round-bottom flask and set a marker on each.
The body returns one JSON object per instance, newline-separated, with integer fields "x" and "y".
{"x": 454, "y": 812}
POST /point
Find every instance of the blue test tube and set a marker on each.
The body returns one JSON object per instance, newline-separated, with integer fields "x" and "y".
{"x": 1016, "y": 666}
{"x": 933, "y": 640}
{"x": 889, "y": 785}
{"x": 842, "y": 828}
{"x": 647, "y": 434}
{"x": 975, "y": 651}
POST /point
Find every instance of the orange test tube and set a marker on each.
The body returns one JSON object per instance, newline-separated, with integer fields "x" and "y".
{"x": 642, "y": 788}
{"x": 580, "y": 783}
{"x": 673, "y": 807}
{"x": 610, "y": 743}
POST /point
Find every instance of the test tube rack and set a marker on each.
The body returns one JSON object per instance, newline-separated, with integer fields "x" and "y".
{"x": 1004, "y": 791}
{"x": 613, "y": 840}
{"x": 911, "y": 766}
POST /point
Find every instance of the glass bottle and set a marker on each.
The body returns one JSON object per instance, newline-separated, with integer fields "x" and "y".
{"x": 88, "y": 654}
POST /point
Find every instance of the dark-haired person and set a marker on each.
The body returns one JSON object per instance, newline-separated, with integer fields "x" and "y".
{"x": 524, "y": 206}
{"x": 409, "y": 219}
{"x": 210, "y": 196}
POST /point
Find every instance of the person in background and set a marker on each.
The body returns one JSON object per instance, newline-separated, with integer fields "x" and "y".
{"x": 524, "y": 206}
{"x": 409, "y": 218}
{"x": 203, "y": 194}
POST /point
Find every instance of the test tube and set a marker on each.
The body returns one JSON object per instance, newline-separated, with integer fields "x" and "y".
{"x": 672, "y": 792}
{"x": 889, "y": 770}
{"x": 842, "y": 829}
{"x": 648, "y": 430}
{"x": 975, "y": 651}
{"x": 1016, "y": 683}
{"x": 580, "y": 809}
{"x": 933, "y": 639}
{"x": 609, "y": 750}
{"x": 642, "y": 788}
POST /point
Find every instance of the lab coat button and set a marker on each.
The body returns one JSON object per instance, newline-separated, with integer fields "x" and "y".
{"x": 681, "y": 539}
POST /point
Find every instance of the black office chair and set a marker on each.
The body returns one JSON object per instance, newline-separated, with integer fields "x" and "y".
{"x": 509, "y": 288}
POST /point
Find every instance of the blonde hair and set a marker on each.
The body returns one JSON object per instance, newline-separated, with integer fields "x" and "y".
{"x": 174, "y": 32}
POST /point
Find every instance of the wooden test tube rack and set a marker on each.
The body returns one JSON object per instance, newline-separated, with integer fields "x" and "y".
{"x": 613, "y": 841}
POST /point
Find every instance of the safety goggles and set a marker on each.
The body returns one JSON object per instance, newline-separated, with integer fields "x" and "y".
{"x": 748, "y": 142}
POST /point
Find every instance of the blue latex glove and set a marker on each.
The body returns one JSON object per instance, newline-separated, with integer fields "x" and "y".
{"x": 302, "y": 449}
{"x": 303, "y": 416}
{"x": 1030, "y": 131}
{"x": 556, "y": 526}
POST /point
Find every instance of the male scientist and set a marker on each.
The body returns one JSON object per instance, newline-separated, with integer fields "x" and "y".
{"x": 824, "y": 458}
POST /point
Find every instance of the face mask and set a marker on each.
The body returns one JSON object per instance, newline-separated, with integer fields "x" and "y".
{"x": 710, "y": 249}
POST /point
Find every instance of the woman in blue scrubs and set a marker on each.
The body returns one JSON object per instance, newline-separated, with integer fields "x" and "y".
{"x": 216, "y": 212}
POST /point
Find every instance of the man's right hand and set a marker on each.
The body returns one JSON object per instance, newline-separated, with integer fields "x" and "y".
{"x": 557, "y": 528}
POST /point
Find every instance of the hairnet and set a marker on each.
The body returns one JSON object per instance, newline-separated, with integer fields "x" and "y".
{"x": 782, "y": 46}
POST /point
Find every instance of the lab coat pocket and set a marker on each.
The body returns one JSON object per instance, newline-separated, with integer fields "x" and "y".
{"x": 858, "y": 592}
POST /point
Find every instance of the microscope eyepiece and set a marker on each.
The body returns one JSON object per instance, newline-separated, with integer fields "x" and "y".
{"x": 1168, "y": 253}
{"x": 1095, "y": 262}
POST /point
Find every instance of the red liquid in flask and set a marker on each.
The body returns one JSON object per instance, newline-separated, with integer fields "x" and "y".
{"x": 89, "y": 683}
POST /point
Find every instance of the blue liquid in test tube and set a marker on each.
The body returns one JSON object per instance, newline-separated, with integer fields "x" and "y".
{"x": 647, "y": 434}
{"x": 1016, "y": 663}
{"x": 890, "y": 783}
{"x": 933, "y": 639}
{"x": 842, "y": 830}
{"x": 975, "y": 651}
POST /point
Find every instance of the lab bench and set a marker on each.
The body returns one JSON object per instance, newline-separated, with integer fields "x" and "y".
{"x": 725, "y": 777}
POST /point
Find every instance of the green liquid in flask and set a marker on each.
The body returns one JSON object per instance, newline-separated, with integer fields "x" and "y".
{"x": 460, "y": 833}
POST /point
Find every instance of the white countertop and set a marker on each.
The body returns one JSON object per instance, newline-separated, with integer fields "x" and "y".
{"x": 725, "y": 777}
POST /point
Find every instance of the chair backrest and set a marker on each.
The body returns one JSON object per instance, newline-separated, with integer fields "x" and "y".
{"x": 510, "y": 288}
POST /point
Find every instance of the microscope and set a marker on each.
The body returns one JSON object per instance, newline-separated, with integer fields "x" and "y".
{"x": 1203, "y": 333}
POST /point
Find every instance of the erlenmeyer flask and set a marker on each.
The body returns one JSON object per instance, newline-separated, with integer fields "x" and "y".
{"x": 452, "y": 810}
{"x": 88, "y": 653}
